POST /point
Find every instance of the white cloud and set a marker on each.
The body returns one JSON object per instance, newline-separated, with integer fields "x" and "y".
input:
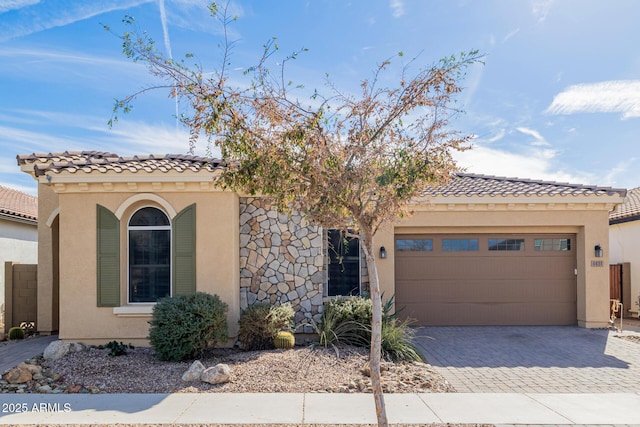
{"x": 619, "y": 172}
{"x": 397, "y": 8}
{"x": 539, "y": 140}
{"x": 127, "y": 137}
{"x": 533, "y": 164}
{"x": 59, "y": 56}
{"x": 193, "y": 15}
{"x": 497, "y": 137}
{"x": 614, "y": 96}
{"x": 21, "y": 140}
{"x": 7, "y": 5}
{"x": 40, "y": 16}
{"x": 143, "y": 138}
{"x": 510, "y": 35}
{"x": 472, "y": 82}
{"x": 541, "y": 9}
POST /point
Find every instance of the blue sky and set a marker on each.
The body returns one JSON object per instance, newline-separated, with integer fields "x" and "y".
{"x": 557, "y": 99}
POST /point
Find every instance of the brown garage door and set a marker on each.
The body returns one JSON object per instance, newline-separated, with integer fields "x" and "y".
{"x": 486, "y": 279}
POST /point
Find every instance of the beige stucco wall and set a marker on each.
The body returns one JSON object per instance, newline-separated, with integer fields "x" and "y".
{"x": 217, "y": 267}
{"x": 624, "y": 241}
{"x": 589, "y": 222}
{"x": 47, "y": 322}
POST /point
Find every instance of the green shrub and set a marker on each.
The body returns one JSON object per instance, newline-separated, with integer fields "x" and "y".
{"x": 16, "y": 333}
{"x": 117, "y": 348}
{"x": 348, "y": 321}
{"x": 183, "y": 327}
{"x": 261, "y": 322}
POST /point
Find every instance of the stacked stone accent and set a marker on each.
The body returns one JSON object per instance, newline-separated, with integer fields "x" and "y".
{"x": 281, "y": 260}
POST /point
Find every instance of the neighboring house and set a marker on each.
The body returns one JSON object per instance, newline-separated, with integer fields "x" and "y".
{"x": 18, "y": 235}
{"x": 624, "y": 238}
{"x": 117, "y": 233}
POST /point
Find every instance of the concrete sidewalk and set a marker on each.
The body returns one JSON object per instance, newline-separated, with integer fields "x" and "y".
{"x": 315, "y": 408}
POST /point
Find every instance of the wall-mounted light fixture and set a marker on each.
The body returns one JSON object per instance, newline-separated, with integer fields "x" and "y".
{"x": 598, "y": 251}
{"x": 383, "y": 252}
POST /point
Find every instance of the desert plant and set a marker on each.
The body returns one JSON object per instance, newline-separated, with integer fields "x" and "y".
{"x": 261, "y": 322}
{"x": 284, "y": 340}
{"x": 117, "y": 348}
{"x": 16, "y": 333}
{"x": 398, "y": 341}
{"x": 183, "y": 327}
{"x": 348, "y": 321}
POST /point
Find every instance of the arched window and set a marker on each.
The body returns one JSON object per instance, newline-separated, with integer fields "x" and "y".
{"x": 149, "y": 235}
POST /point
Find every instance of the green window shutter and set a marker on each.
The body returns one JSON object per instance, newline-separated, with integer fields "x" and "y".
{"x": 108, "y": 241}
{"x": 184, "y": 251}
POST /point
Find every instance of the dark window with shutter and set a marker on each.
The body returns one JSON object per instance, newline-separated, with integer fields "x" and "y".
{"x": 343, "y": 264}
{"x": 149, "y": 255}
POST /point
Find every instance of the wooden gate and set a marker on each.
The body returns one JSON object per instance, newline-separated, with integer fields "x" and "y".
{"x": 615, "y": 282}
{"x": 620, "y": 285}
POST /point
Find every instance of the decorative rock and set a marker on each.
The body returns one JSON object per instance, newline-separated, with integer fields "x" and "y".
{"x": 45, "y": 389}
{"x": 218, "y": 374}
{"x": 194, "y": 372}
{"x": 74, "y": 388}
{"x": 34, "y": 369}
{"x": 58, "y": 349}
{"x": 18, "y": 375}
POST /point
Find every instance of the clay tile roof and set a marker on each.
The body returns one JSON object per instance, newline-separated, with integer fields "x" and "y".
{"x": 102, "y": 162}
{"x": 484, "y": 185}
{"x": 67, "y": 156}
{"x": 17, "y": 204}
{"x": 629, "y": 210}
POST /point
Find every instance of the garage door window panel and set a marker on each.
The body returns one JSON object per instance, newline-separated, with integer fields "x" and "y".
{"x": 421, "y": 245}
{"x": 506, "y": 244}
{"x": 460, "y": 245}
{"x": 552, "y": 244}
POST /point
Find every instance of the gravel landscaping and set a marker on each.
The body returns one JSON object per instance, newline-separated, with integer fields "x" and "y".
{"x": 300, "y": 370}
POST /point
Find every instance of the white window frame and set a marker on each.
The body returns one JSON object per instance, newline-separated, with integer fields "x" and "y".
{"x": 163, "y": 227}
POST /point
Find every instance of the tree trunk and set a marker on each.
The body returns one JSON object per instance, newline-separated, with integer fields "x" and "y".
{"x": 376, "y": 333}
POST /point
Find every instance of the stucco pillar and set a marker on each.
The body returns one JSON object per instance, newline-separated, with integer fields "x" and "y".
{"x": 593, "y": 277}
{"x": 386, "y": 267}
{"x": 47, "y": 244}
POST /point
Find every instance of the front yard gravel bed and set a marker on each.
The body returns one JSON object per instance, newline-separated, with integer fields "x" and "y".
{"x": 300, "y": 370}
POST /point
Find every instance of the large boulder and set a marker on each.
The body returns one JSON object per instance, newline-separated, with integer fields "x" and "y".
{"x": 21, "y": 373}
{"x": 218, "y": 374}
{"x": 194, "y": 372}
{"x": 58, "y": 349}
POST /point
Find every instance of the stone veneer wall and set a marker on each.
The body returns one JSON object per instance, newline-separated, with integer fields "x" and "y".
{"x": 281, "y": 260}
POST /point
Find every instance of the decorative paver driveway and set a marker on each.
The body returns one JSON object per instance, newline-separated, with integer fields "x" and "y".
{"x": 532, "y": 359}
